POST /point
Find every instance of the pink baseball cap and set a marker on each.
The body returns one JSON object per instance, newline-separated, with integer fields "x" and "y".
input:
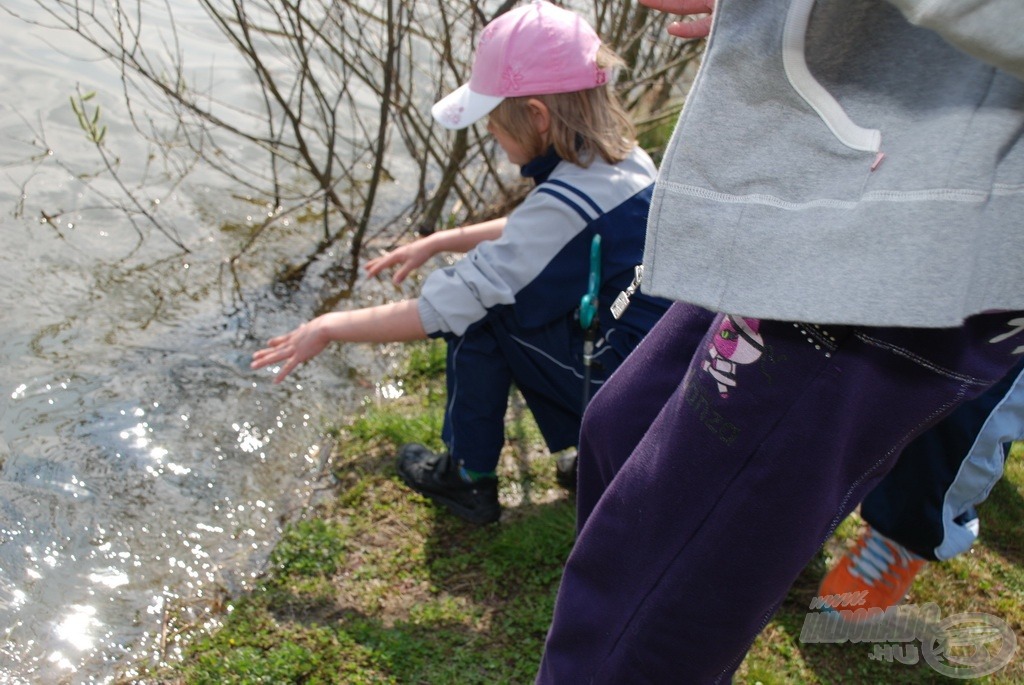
{"x": 535, "y": 49}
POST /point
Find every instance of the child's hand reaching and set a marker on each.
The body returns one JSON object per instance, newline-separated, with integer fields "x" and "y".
{"x": 408, "y": 256}
{"x": 294, "y": 348}
{"x": 393, "y": 322}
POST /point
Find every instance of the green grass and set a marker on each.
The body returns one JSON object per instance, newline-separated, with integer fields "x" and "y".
{"x": 377, "y": 585}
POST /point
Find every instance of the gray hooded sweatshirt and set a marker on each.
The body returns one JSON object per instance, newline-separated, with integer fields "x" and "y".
{"x": 848, "y": 161}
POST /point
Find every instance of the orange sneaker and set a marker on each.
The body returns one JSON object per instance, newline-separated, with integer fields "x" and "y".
{"x": 874, "y": 574}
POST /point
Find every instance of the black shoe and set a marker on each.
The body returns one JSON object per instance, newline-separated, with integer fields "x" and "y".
{"x": 566, "y": 468}
{"x": 433, "y": 475}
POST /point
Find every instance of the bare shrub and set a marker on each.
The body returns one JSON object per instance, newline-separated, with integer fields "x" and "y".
{"x": 338, "y": 98}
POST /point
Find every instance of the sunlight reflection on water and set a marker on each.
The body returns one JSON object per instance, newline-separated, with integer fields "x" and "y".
{"x": 142, "y": 465}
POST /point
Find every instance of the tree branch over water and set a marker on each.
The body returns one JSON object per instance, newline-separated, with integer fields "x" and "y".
{"x": 326, "y": 113}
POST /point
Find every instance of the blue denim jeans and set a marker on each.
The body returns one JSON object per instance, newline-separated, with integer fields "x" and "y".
{"x": 716, "y": 461}
{"x": 545, "y": 363}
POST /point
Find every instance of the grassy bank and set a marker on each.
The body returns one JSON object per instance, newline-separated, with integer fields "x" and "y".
{"x": 377, "y": 585}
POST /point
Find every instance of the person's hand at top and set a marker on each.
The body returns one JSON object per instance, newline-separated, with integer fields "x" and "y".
{"x": 409, "y": 257}
{"x": 696, "y": 28}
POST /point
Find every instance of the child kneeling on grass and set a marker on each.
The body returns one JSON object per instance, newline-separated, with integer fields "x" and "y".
{"x": 508, "y": 309}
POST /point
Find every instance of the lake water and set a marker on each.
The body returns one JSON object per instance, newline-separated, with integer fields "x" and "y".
{"x": 143, "y": 466}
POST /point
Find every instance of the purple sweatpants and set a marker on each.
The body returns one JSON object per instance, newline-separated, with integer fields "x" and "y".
{"x": 717, "y": 460}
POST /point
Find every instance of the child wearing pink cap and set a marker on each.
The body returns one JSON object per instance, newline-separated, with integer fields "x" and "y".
{"x": 508, "y": 309}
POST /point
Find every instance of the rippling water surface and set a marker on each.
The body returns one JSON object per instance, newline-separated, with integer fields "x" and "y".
{"x": 142, "y": 465}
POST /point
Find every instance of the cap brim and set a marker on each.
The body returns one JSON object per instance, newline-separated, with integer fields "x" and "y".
{"x": 462, "y": 108}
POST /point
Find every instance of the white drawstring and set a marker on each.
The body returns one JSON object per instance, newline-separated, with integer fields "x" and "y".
{"x": 794, "y": 61}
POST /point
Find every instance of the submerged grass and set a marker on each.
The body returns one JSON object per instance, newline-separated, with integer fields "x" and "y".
{"x": 377, "y": 585}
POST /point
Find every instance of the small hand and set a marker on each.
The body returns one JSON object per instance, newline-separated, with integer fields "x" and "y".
{"x": 697, "y": 28}
{"x": 294, "y": 348}
{"x": 409, "y": 256}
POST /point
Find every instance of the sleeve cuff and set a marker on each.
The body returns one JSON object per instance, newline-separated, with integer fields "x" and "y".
{"x": 432, "y": 323}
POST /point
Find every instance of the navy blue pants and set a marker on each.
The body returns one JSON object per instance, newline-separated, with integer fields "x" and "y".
{"x": 546, "y": 364}
{"x": 926, "y": 503}
{"x": 716, "y": 461}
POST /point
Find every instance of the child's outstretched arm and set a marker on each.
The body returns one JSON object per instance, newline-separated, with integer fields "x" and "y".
{"x": 395, "y": 322}
{"x": 414, "y": 254}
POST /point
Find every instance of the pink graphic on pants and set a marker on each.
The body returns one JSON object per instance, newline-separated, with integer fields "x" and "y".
{"x": 736, "y": 342}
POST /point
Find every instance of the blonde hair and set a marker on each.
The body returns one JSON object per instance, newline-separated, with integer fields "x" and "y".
{"x": 585, "y": 124}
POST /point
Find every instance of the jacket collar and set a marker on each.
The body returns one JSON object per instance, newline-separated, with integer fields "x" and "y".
{"x": 540, "y": 167}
